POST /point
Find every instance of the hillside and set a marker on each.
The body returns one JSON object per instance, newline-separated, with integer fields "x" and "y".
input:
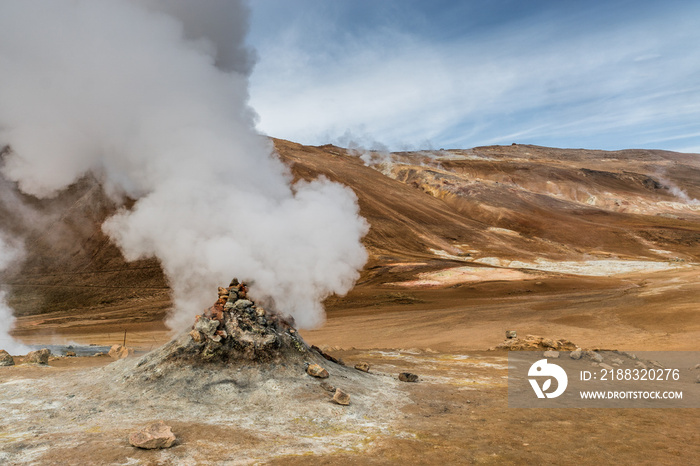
{"x": 510, "y": 216}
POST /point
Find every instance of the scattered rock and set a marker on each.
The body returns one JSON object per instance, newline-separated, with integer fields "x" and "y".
{"x": 640, "y": 365}
{"x": 38, "y": 357}
{"x": 6, "y": 359}
{"x": 341, "y": 397}
{"x": 156, "y": 435}
{"x": 510, "y": 334}
{"x": 317, "y": 371}
{"x": 535, "y": 343}
{"x": 362, "y": 366}
{"x": 408, "y": 377}
{"x": 576, "y": 354}
{"x": 607, "y": 367}
{"x": 551, "y": 354}
{"x": 70, "y": 354}
{"x": 616, "y": 361}
{"x": 120, "y": 352}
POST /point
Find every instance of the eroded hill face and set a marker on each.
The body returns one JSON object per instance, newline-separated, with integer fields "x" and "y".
{"x": 507, "y": 206}
{"x": 521, "y": 202}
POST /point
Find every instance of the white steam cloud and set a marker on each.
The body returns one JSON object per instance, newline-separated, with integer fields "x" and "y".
{"x": 10, "y": 252}
{"x": 674, "y": 189}
{"x": 156, "y": 106}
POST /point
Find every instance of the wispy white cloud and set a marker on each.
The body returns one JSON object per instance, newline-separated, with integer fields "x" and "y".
{"x": 631, "y": 84}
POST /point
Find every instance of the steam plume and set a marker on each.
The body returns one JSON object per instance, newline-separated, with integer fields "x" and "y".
{"x": 10, "y": 252}
{"x": 156, "y": 105}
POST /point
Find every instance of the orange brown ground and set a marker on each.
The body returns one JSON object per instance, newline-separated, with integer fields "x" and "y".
{"x": 511, "y": 203}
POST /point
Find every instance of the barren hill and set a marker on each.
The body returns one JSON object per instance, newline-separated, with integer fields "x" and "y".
{"x": 509, "y": 216}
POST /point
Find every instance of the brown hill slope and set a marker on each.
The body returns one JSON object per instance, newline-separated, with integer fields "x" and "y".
{"x": 428, "y": 211}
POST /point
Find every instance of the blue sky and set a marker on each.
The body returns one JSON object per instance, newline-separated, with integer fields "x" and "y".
{"x": 406, "y": 74}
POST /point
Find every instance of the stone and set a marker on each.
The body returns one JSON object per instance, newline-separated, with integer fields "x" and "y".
{"x": 640, "y": 365}
{"x": 317, "y": 371}
{"x": 70, "y": 354}
{"x": 243, "y": 303}
{"x": 38, "y": 357}
{"x": 576, "y": 354}
{"x": 548, "y": 343}
{"x": 593, "y": 356}
{"x": 362, "y": 366}
{"x": 222, "y": 291}
{"x": 197, "y": 336}
{"x": 510, "y": 334}
{"x": 120, "y": 352}
{"x": 6, "y": 359}
{"x": 408, "y": 377}
{"x": 206, "y": 326}
{"x": 607, "y": 367}
{"x": 156, "y": 435}
{"x": 341, "y": 397}
{"x": 551, "y": 354}
{"x": 260, "y": 312}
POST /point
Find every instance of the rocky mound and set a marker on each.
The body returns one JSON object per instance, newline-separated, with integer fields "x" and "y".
{"x": 236, "y": 348}
{"x": 235, "y": 331}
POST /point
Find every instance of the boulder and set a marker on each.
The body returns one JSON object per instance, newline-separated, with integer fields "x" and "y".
{"x": 120, "y": 352}
{"x": 341, "y": 397}
{"x": 408, "y": 377}
{"x": 510, "y": 334}
{"x": 576, "y": 354}
{"x": 317, "y": 371}
{"x": 38, "y": 357}
{"x": 70, "y": 354}
{"x": 6, "y": 359}
{"x": 551, "y": 354}
{"x": 362, "y": 366}
{"x": 156, "y": 435}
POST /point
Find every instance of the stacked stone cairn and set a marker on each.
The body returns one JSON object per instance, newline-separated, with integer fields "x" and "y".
{"x": 236, "y": 329}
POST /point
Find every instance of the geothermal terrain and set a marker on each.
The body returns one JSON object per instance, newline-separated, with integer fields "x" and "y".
{"x": 598, "y": 248}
